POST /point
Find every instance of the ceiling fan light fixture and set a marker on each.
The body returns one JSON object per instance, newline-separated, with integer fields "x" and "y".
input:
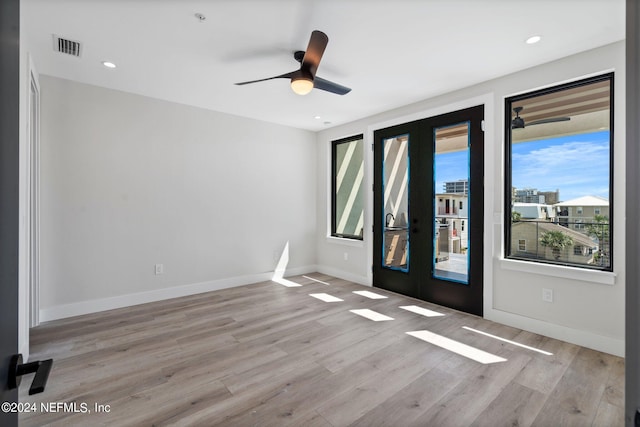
{"x": 301, "y": 85}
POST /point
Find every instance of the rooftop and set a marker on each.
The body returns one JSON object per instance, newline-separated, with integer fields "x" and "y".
{"x": 585, "y": 201}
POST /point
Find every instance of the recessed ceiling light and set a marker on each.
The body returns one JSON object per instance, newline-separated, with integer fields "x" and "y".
{"x": 108, "y": 64}
{"x": 317, "y": 117}
{"x": 533, "y": 39}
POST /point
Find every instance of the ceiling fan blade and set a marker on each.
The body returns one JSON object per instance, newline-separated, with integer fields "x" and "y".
{"x": 315, "y": 50}
{"x": 281, "y": 76}
{"x": 322, "y": 84}
{"x": 550, "y": 120}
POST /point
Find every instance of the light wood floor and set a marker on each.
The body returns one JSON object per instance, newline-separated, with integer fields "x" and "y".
{"x": 269, "y": 355}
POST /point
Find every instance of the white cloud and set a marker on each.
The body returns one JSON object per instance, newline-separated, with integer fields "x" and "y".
{"x": 577, "y": 168}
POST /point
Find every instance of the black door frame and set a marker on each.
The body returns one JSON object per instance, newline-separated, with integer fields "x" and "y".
{"x": 9, "y": 195}
{"x": 421, "y": 283}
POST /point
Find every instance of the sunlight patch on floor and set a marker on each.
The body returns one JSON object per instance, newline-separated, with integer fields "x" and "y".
{"x": 286, "y": 282}
{"x": 369, "y": 294}
{"x": 507, "y": 341}
{"x": 326, "y": 297}
{"x": 420, "y": 310}
{"x": 371, "y": 315}
{"x": 316, "y": 280}
{"x": 278, "y": 274}
{"x": 457, "y": 347}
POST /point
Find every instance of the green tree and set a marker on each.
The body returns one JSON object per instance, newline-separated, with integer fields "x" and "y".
{"x": 515, "y": 216}
{"x": 599, "y": 227}
{"x": 557, "y": 241}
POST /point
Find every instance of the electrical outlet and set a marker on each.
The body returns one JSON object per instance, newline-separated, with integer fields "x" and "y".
{"x": 547, "y": 295}
{"x": 159, "y": 269}
{"x": 346, "y": 256}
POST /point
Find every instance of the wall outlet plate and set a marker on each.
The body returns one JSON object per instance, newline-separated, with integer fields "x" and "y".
{"x": 547, "y": 295}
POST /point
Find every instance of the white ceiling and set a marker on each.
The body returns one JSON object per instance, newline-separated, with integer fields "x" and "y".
{"x": 391, "y": 53}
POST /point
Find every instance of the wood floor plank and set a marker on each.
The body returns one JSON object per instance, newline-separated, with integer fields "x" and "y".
{"x": 576, "y": 398}
{"x": 405, "y": 406}
{"x": 462, "y": 405}
{"x": 269, "y": 355}
{"x": 516, "y": 405}
{"x": 347, "y": 407}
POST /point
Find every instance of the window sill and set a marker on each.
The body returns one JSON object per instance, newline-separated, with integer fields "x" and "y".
{"x": 345, "y": 242}
{"x": 574, "y": 273}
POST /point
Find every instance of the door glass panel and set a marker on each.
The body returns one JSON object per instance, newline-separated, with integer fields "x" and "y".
{"x": 451, "y": 203}
{"x": 395, "y": 210}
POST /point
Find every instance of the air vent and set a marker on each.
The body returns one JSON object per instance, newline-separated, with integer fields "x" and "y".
{"x": 62, "y": 45}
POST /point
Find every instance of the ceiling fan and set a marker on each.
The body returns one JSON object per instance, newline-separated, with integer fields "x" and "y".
{"x": 518, "y": 122}
{"x": 305, "y": 79}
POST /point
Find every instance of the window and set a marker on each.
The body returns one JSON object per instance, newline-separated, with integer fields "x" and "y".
{"x": 552, "y": 136}
{"x": 522, "y": 245}
{"x": 347, "y": 172}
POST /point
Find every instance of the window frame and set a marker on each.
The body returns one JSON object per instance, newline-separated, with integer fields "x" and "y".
{"x": 334, "y": 145}
{"x": 509, "y": 254}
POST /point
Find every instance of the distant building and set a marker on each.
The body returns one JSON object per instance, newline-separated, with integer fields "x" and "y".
{"x": 459, "y": 186}
{"x": 535, "y": 211}
{"x": 551, "y": 197}
{"x": 529, "y": 195}
{"x": 525, "y": 243}
{"x": 575, "y": 213}
{"x": 452, "y": 217}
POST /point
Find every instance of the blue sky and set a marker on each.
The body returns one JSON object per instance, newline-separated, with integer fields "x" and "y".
{"x": 578, "y": 165}
{"x": 451, "y": 167}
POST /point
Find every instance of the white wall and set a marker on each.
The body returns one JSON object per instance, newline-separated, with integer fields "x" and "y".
{"x": 129, "y": 182}
{"x": 26, "y": 68}
{"x": 23, "y": 285}
{"x": 588, "y": 307}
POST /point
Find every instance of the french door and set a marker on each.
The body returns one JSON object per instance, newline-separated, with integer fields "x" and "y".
{"x": 428, "y": 209}
{"x": 9, "y": 177}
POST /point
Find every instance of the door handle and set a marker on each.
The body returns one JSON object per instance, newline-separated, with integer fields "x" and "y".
{"x": 17, "y": 369}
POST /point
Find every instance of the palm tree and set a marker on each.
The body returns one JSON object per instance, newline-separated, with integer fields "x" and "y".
{"x": 556, "y": 240}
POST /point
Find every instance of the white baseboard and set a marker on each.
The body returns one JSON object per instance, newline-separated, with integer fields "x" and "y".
{"x": 583, "y": 338}
{"x": 587, "y": 339}
{"x": 361, "y": 280}
{"x": 127, "y": 300}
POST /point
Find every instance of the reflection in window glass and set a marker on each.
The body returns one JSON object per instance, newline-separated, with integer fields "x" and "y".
{"x": 395, "y": 187}
{"x": 347, "y": 178}
{"x": 554, "y": 136}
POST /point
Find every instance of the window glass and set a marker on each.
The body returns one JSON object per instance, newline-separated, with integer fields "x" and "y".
{"x": 553, "y": 136}
{"x": 347, "y": 173}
